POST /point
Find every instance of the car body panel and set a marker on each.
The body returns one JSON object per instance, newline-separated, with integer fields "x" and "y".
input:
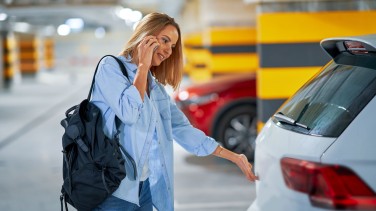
{"x": 343, "y": 144}
{"x": 354, "y": 148}
{"x": 272, "y": 144}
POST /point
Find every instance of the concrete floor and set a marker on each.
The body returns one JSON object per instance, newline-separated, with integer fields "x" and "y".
{"x": 31, "y": 158}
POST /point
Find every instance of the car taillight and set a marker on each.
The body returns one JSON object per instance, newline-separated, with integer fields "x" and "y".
{"x": 328, "y": 186}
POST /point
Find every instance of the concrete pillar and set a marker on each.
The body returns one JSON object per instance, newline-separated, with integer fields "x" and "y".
{"x": 48, "y": 53}
{"x": 219, "y": 38}
{"x": 29, "y": 54}
{"x": 232, "y": 49}
{"x": 9, "y": 58}
{"x": 227, "y": 13}
{"x": 196, "y": 57}
{"x": 1, "y": 63}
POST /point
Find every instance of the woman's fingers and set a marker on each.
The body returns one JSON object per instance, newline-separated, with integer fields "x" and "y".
{"x": 252, "y": 176}
{"x": 146, "y": 48}
{"x": 148, "y": 41}
{"x": 247, "y": 169}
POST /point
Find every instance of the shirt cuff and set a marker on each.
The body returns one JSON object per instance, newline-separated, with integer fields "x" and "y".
{"x": 208, "y": 146}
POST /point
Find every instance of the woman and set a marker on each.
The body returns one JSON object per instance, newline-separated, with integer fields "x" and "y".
{"x": 150, "y": 120}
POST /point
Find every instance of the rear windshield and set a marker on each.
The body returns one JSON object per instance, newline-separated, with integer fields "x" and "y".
{"x": 334, "y": 97}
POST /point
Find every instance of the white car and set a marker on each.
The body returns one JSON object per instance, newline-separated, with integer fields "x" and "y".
{"x": 318, "y": 151}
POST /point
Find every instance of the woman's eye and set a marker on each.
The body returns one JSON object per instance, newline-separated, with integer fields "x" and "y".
{"x": 165, "y": 40}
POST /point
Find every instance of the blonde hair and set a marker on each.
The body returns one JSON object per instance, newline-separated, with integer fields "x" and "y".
{"x": 170, "y": 70}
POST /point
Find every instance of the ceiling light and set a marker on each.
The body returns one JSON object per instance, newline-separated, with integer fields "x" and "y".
{"x": 124, "y": 13}
{"x": 3, "y": 16}
{"x": 63, "y": 30}
{"x": 100, "y": 32}
{"x": 48, "y": 30}
{"x": 21, "y": 27}
{"x": 76, "y": 24}
{"x": 135, "y": 16}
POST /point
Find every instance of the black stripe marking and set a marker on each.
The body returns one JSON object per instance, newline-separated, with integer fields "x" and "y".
{"x": 292, "y": 55}
{"x": 218, "y": 49}
{"x": 222, "y": 49}
{"x": 266, "y": 108}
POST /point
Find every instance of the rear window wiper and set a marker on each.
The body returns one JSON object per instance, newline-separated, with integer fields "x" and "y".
{"x": 287, "y": 120}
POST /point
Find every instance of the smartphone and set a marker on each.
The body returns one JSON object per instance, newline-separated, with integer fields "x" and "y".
{"x": 155, "y": 48}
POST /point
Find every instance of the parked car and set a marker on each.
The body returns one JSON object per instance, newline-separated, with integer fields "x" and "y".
{"x": 318, "y": 151}
{"x": 224, "y": 108}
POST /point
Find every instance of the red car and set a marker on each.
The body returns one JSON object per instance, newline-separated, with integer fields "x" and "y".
{"x": 225, "y": 109}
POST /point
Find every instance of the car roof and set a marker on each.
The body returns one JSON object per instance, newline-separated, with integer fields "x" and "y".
{"x": 336, "y": 45}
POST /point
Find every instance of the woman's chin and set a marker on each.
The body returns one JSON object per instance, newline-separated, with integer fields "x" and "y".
{"x": 156, "y": 63}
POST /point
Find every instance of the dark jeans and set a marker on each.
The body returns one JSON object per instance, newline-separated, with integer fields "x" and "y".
{"x": 113, "y": 203}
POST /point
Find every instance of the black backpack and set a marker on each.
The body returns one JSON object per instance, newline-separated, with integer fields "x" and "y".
{"x": 94, "y": 165}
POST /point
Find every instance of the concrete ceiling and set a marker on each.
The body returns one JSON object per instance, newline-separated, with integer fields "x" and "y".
{"x": 95, "y": 13}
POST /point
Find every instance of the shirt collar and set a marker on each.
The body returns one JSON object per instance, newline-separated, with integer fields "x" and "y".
{"x": 128, "y": 64}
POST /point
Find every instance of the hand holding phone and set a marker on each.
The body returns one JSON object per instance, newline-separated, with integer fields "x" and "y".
{"x": 146, "y": 49}
{"x": 155, "y": 48}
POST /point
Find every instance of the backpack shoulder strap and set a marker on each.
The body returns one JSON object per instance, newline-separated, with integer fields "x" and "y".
{"x": 122, "y": 67}
{"x": 130, "y": 165}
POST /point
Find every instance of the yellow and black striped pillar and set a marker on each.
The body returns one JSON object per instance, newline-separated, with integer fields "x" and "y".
{"x": 196, "y": 57}
{"x": 9, "y": 58}
{"x": 220, "y": 50}
{"x": 232, "y": 49}
{"x": 49, "y": 55}
{"x": 28, "y": 55}
{"x": 288, "y": 39}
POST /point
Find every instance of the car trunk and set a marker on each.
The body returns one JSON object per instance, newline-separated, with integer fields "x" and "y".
{"x": 274, "y": 143}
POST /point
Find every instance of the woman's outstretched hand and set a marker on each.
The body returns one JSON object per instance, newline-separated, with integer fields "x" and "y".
{"x": 240, "y": 160}
{"x": 246, "y": 167}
